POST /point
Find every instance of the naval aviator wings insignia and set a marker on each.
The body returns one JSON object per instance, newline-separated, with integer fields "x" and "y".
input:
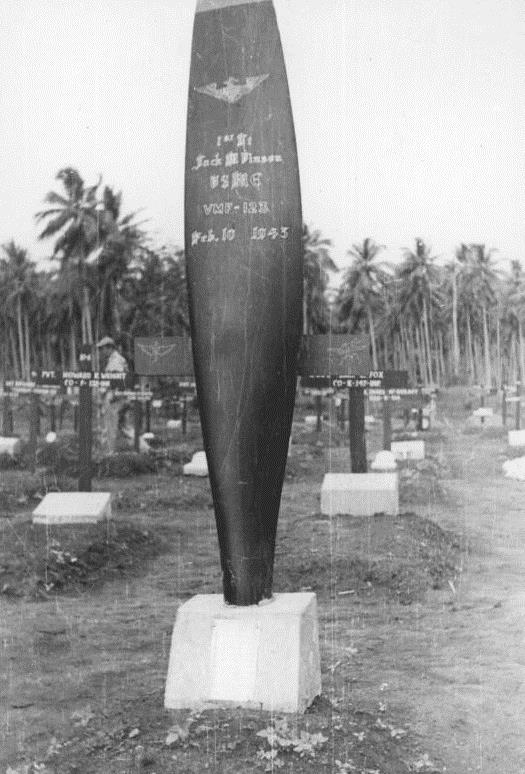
{"x": 344, "y": 351}
{"x": 156, "y": 351}
{"x": 232, "y": 90}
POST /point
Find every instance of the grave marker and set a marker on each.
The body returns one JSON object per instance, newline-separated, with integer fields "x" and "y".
{"x": 166, "y": 356}
{"x": 84, "y": 380}
{"x": 243, "y": 246}
{"x": 338, "y": 361}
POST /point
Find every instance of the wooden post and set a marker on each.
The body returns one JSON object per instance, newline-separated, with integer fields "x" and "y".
{"x": 342, "y": 414}
{"x": 85, "y": 426}
{"x": 356, "y": 416}
{"x": 52, "y": 417}
{"x": 33, "y": 430}
{"x": 85, "y": 438}
{"x": 319, "y": 411}
{"x": 387, "y": 424}
{"x": 504, "y": 407}
{"x": 137, "y": 423}
{"x": 184, "y": 415}
{"x": 38, "y": 427}
{"x": 75, "y": 418}
{"x": 518, "y": 405}
{"x": 482, "y": 403}
{"x": 148, "y": 416}
{"x": 7, "y": 419}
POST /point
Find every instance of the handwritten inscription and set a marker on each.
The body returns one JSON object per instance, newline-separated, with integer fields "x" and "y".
{"x": 236, "y": 180}
{"x": 259, "y": 232}
{"x": 228, "y": 234}
{"x": 230, "y": 208}
{"x": 233, "y": 159}
{"x": 228, "y": 168}
{"x": 209, "y": 237}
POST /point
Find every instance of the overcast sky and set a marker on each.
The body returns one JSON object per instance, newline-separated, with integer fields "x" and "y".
{"x": 409, "y": 114}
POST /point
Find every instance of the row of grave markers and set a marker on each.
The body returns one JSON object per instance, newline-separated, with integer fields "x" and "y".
{"x": 50, "y": 383}
{"x": 328, "y": 363}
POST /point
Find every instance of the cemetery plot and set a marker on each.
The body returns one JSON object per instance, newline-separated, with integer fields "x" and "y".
{"x": 373, "y": 564}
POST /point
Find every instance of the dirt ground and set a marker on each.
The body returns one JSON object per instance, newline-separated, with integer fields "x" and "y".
{"x": 422, "y": 619}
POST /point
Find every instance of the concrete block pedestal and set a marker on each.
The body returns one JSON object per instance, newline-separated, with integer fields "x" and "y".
{"x": 10, "y": 446}
{"x": 263, "y": 656}
{"x": 516, "y": 438}
{"x": 198, "y": 465}
{"x": 360, "y": 494}
{"x": 73, "y": 508}
{"x": 408, "y": 450}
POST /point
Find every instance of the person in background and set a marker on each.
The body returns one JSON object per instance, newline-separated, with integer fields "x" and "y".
{"x": 112, "y": 408}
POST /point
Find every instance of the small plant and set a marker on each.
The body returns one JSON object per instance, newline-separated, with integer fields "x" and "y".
{"x": 281, "y": 738}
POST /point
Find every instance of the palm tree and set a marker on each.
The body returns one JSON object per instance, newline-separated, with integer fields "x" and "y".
{"x": 482, "y": 278}
{"x": 75, "y": 220}
{"x": 121, "y": 240}
{"x": 419, "y": 278}
{"x": 317, "y": 265}
{"x": 361, "y": 291}
{"x": 18, "y": 277}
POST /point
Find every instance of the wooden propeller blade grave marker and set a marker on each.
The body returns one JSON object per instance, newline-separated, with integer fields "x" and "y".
{"x": 243, "y": 235}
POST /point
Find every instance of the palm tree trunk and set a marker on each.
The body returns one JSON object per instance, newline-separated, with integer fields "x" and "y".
{"x": 14, "y": 353}
{"x": 422, "y": 370}
{"x": 27, "y": 346}
{"x": 20, "y": 336}
{"x": 62, "y": 352}
{"x": 499, "y": 375}
{"x": 522, "y": 353}
{"x": 372, "y": 338}
{"x": 455, "y": 333}
{"x": 470, "y": 356}
{"x": 486, "y": 349}
{"x": 427, "y": 339}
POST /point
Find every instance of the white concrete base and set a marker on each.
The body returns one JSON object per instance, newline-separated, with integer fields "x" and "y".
{"x": 73, "y": 508}
{"x": 311, "y": 420}
{"x": 263, "y": 656}
{"x": 408, "y": 450}
{"x": 516, "y": 437}
{"x": 360, "y": 494}
{"x": 198, "y": 465}
{"x": 483, "y": 411}
{"x": 384, "y": 462}
{"x": 10, "y": 446}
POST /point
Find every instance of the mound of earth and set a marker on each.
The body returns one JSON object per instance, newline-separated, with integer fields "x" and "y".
{"x": 38, "y": 565}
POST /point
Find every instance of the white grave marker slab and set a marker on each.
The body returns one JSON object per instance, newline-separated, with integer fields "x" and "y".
{"x": 384, "y": 462}
{"x": 262, "y": 656}
{"x": 360, "y": 494}
{"x": 73, "y": 508}
{"x": 516, "y": 437}
{"x": 10, "y": 446}
{"x": 198, "y": 465}
{"x": 483, "y": 411}
{"x": 311, "y": 420}
{"x": 408, "y": 450}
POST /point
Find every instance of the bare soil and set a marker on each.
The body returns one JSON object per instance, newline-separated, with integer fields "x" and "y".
{"x": 421, "y": 618}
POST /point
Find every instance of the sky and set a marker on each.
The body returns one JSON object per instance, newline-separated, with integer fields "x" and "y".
{"x": 409, "y": 115}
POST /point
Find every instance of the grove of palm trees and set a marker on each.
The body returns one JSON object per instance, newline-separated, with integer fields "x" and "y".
{"x": 456, "y": 319}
